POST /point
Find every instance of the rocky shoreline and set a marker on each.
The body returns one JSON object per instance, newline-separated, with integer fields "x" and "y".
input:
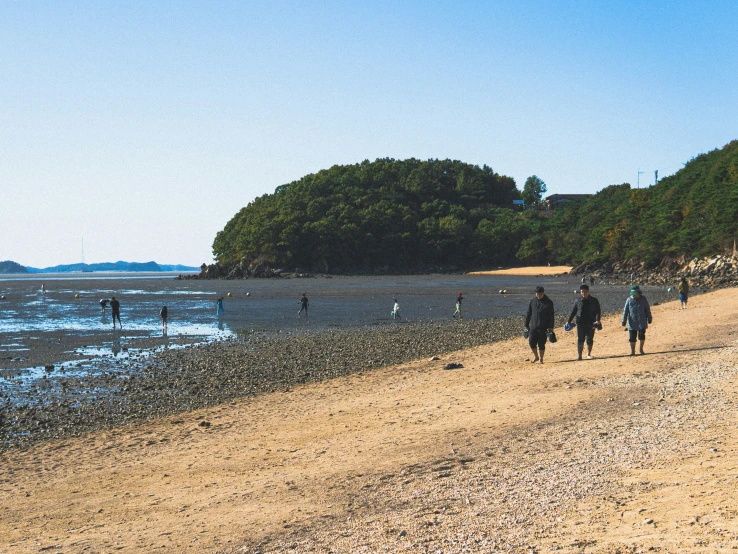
{"x": 709, "y": 272}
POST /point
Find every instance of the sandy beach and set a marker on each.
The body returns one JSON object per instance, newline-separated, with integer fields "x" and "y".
{"x": 615, "y": 454}
{"x": 546, "y": 270}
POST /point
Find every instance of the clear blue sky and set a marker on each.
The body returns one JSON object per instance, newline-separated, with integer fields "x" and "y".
{"x": 145, "y": 126}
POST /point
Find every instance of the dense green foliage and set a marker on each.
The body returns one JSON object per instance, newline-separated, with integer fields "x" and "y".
{"x": 397, "y": 214}
{"x": 413, "y": 215}
{"x": 691, "y": 213}
{"x": 533, "y": 190}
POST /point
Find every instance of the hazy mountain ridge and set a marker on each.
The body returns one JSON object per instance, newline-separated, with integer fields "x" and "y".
{"x": 8, "y": 267}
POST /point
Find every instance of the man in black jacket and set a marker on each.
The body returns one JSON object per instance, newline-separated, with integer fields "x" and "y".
{"x": 587, "y": 311}
{"x": 538, "y": 321}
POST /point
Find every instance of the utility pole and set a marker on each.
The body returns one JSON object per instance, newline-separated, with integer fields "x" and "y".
{"x": 656, "y": 177}
{"x": 639, "y": 177}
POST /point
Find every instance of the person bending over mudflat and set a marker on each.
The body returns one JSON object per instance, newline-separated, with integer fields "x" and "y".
{"x": 637, "y": 314}
{"x": 538, "y": 322}
{"x": 586, "y": 309}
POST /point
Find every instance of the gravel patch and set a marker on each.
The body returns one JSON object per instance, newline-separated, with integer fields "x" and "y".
{"x": 523, "y": 492}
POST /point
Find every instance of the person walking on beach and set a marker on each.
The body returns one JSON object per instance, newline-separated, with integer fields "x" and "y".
{"x": 637, "y": 314}
{"x": 396, "y": 310}
{"x": 591, "y": 280}
{"x": 115, "y": 307}
{"x": 220, "y": 310}
{"x": 304, "y": 303}
{"x": 459, "y": 298}
{"x": 163, "y": 314}
{"x": 538, "y": 322}
{"x": 683, "y": 293}
{"x": 587, "y": 311}
{"x": 103, "y": 302}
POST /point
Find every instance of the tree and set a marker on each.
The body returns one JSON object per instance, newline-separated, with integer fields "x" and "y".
{"x": 533, "y": 190}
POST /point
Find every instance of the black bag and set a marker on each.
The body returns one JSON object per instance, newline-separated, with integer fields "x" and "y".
{"x": 526, "y": 333}
{"x": 551, "y": 337}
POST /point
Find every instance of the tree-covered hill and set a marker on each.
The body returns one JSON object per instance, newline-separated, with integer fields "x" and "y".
{"x": 8, "y": 267}
{"x": 395, "y": 214}
{"x": 691, "y": 213}
{"x": 413, "y": 215}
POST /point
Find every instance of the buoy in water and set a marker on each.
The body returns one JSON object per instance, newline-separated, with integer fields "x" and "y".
{"x": 248, "y": 294}
{"x": 76, "y": 295}
{"x": 229, "y": 294}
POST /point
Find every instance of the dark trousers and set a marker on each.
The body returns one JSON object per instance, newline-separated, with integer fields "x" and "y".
{"x": 538, "y": 339}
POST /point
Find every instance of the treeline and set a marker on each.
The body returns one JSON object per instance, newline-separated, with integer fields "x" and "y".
{"x": 400, "y": 215}
{"x": 413, "y": 215}
{"x": 692, "y": 213}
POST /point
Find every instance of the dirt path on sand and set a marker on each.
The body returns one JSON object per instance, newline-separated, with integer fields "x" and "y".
{"x": 411, "y": 457}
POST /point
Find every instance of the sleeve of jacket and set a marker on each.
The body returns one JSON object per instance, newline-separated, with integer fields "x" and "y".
{"x": 648, "y": 312}
{"x": 550, "y": 313}
{"x": 597, "y": 308}
{"x": 528, "y": 315}
{"x": 625, "y": 313}
{"x": 573, "y": 311}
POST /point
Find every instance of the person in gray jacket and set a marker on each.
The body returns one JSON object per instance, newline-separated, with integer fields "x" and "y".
{"x": 637, "y": 314}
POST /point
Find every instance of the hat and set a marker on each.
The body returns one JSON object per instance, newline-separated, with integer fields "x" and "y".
{"x": 635, "y": 290}
{"x": 458, "y": 294}
{"x": 539, "y": 289}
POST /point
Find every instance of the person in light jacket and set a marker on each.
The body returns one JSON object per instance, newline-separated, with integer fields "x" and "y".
{"x": 637, "y": 315}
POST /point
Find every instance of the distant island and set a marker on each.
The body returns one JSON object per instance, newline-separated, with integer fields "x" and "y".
{"x": 8, "y": 267}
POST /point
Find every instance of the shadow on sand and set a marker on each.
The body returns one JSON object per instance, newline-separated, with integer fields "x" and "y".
{"x": 675, "y": 351}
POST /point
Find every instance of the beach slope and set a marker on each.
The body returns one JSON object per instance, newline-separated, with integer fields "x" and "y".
{"x": 614, "y": 454}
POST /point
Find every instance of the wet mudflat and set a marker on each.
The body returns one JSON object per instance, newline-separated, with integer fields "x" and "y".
{"x": 102, "y": 378}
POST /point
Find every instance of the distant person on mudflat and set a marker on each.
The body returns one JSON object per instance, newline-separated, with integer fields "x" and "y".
{"x": 591, "y": 281}
{"x": 115, "y": 307}
{"x": 220, "y": 310}
{"x": 396, "y": 310}
{"x": 304, "y": 303}
{"x": 587, "y": 311}
{"x": 683, "y": 293}
{"x": 163, "y": 314}
{"x": 538, "y": 322}
{"x": 637, "y": 314}
{"x": 459, "y": 298}
{"x": 103, "y": 303}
